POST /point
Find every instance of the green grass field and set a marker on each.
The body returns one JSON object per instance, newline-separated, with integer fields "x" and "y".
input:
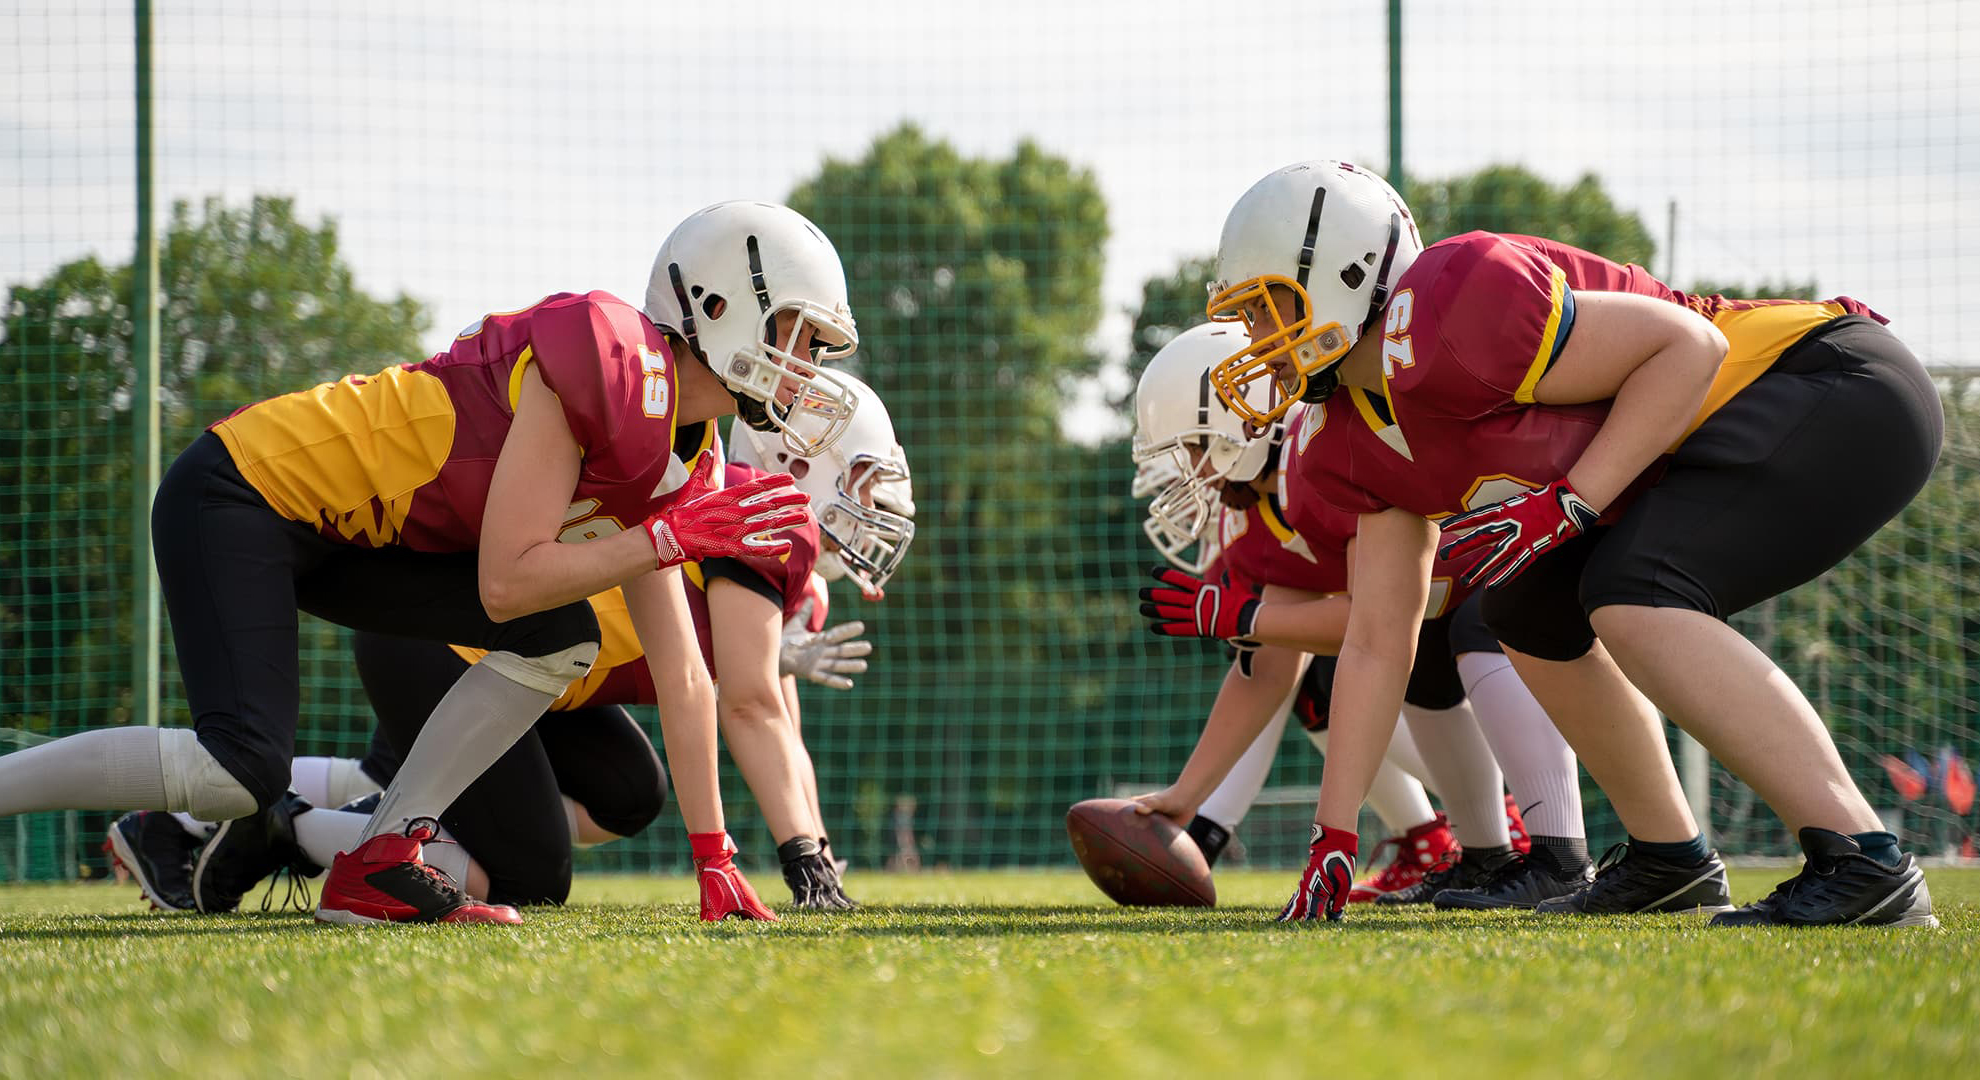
{"x": 979, "y": 973}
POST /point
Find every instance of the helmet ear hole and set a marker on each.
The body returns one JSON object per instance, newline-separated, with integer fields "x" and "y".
{"x": 713, "y": 305}
{"x": 1352, "y": 275}
{"x": 799, "y": 468}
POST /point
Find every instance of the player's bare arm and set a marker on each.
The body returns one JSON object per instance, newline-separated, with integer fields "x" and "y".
{"x": 523, "y": 568}
{"x": 1389, "y": 583}
{"x": 683, "y": 691}
{"x": 750, "y": 705}
{"x": 1655, "y": 360}
{"x": 1244, "y": 706}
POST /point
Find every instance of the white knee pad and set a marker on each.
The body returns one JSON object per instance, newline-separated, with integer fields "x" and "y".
{"x": 196, "y": 783}
{"x": 545, "y": 674}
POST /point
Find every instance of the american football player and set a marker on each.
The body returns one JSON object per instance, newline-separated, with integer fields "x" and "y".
{"x": 1299, "y": 553}
{"x": 1622, "y": 466}
{"x": 585, "y": 774}
{"x": 451, "y": 501}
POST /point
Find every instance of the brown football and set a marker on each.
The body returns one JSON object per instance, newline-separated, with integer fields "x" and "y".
{"x": 1142, "y": 860}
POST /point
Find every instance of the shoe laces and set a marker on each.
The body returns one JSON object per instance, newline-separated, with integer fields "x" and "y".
{"x": 441, "y": 882}
{"x": 296, "y": 896}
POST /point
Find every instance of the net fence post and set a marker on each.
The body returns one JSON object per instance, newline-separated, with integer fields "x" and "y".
{"x": 144, "y": 400}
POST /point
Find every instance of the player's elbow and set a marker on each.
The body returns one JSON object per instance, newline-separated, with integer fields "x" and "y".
{"x": 502, "y": 597}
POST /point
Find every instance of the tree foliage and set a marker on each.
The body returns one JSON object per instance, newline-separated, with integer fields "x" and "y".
{"x": 253, "y": 302}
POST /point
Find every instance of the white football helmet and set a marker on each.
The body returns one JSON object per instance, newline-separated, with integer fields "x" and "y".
{"x": 721, "y": 280}
{"x": 872, "y": 539}
{"x": 1336, "y": 236}
{"x": 1179, "y": 417}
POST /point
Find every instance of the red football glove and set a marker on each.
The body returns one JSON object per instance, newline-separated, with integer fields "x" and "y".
{"x": 1323, "y": 889}
{"x": 1511, "y": 534}
{"x": 725, "y": 894}
{"x": 705, "y": 521}
{"x": 1189, "y": 606}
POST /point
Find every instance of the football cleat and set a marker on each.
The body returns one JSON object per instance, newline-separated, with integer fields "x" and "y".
{"x": 1631, "y": 883}
{"x": 1519, "y": 882}
{"x": 1468, "y": 872}
{"x": 1425, "y": 848}
{"x": 243, "y": 851}
{"x": 1841, "y": 886}
{"x": 1516, "y": 826}
{"x": 151, "y": 846}
{"x": 386, "y": 881}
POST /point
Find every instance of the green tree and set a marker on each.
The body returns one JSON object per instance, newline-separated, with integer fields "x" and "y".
{"x": 1510, "y": 199}
{"x": 254, "y": 303}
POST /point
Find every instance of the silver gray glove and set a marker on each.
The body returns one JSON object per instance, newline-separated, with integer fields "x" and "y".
{"x": 825, "y": 657}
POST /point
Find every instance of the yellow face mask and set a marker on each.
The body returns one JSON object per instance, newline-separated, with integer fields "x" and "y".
{"x": 1292, "y": 351}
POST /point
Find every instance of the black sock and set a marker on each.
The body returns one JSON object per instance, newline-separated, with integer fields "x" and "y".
{"x": 1881, "y": 847}
{"x": 1564, "y": 856}
{"x": 1487, "y": 856}
{"x": 1209, "y": 836}
{"x": 1688, "y": 853}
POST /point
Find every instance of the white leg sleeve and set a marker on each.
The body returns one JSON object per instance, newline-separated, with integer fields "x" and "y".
{"x": 329, "y": 782}
{"x": 1404, "y": 755}
{"x": 479, "y": 719}
{"x": 1468, "y": 777}
{"x": 1539, "y": 766}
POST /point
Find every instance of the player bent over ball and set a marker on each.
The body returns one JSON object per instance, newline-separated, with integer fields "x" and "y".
{"x": 1301, "y": 557}
{"x": 478, "y": 497}
{"x": 1622, "y": 466}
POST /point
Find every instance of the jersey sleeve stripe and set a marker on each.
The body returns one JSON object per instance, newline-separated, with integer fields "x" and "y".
{"x": 1269, "y": 513}
{"x": 516, "y": 376}
{"x": 1545, "y": 356}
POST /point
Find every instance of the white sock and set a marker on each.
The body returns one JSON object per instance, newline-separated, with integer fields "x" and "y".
{"x": 1233, "y": 798}
{"x": 479, "y": 719}
{"x": 325, "y": 834}
{"x": 1468, "y": 778}
{"x": 198, "y": 828}
{"x": 1395, "y": 796}
{"x": 329, "y": 782}
{"x": 1404, "y": 755}
{"x": 1539, "y": 766}
{"x": 106, "y": 769}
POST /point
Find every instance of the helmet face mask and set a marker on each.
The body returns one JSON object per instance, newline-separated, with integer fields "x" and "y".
{"x": 1325, "y": 238}
{"x": 1201, "y": 443}
{"x": 760, "y": 296}
{"x": 860, "y": 488}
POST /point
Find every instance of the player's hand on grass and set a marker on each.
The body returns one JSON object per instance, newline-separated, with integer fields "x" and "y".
{"x": 826, "y": 657}
{"x": 1323, "y": 889}
{"x": 1167, "y": 802}
{"x": 725, "y": 893}
{"x": 1188, "y": 606}
{"x": 705, "y": 521}
{"x": 1506, "y": 537}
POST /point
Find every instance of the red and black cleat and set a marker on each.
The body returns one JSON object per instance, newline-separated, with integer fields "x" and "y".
{"x": 386, "y": 881}
{"x": 1516, "y": 827}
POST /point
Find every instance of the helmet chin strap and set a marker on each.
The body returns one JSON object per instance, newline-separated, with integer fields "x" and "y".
{"x": 1321, "y": 385}
{"x": 753, "y": 412}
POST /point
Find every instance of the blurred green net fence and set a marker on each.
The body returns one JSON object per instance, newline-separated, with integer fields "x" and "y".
{"x": 1023, "y": 200}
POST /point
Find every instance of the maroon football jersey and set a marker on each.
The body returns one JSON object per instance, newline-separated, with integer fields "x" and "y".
{"x": 405, "y": 456}
{"x": 1471, "y": 329}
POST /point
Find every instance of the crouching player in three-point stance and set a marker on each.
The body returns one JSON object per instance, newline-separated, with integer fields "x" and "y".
{"x": 445, "y": 500}
{"x": 1623, "y": 466}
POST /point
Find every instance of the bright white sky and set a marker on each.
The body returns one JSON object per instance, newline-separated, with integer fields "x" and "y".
{"x": 479, "y": 155}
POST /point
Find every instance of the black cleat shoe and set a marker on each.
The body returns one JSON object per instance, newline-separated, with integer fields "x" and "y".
{"x": 244, "y": 851}
{"x": 1469, "y": 872}
{"x": 1520, "y": 882}
{"x": 158, "y": 852}
{"x": 1630, "y": 883}
{"x": 1841, "y": 886}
